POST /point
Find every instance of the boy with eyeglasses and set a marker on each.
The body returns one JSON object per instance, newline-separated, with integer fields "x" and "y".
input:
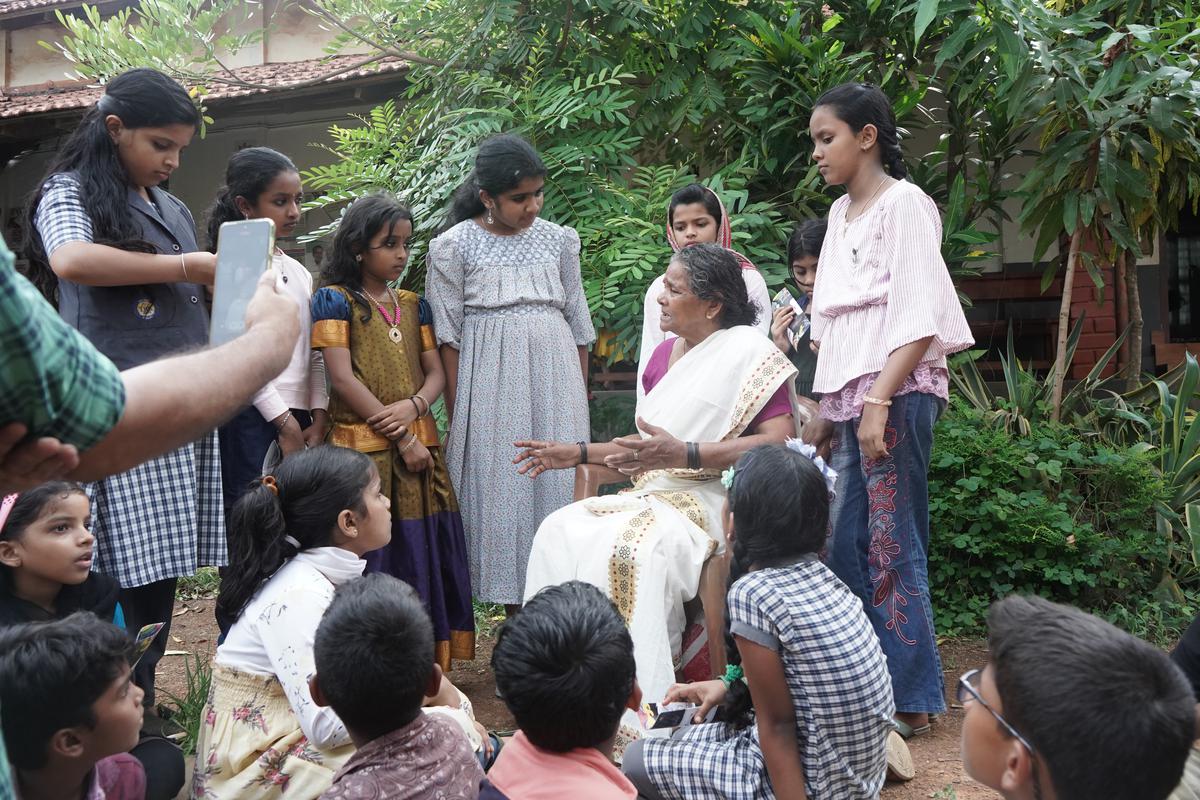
{"x": 1071, "y": 708}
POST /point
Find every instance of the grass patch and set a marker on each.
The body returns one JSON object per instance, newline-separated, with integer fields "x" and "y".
{"x": 188, "y": 711}
{"x": 201, "y": 586}
{"x": 488, "y": 617}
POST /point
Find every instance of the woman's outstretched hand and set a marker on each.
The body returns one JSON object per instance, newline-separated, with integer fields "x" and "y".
{"x": 659, "y": 450}
{"x": 537, "y": 457}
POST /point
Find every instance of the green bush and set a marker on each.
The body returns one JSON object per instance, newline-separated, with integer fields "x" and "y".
{"x": 1052, "y": 513}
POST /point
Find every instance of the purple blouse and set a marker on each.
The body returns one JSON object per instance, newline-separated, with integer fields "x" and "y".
{"x": 660, "y": 360}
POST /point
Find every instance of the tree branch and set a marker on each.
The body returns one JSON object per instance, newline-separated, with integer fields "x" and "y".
{"x": 415, "y": 58}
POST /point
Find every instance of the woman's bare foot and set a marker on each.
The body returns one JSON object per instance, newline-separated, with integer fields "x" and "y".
{"x": 915, "y": 721}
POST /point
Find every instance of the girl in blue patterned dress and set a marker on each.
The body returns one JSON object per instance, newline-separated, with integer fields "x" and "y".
{"x": 818, "y": 723}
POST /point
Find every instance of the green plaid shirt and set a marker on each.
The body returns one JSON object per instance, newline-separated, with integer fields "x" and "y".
{"x": 51, "y": 378}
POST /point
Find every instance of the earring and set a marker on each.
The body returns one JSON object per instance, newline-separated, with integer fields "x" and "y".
{"x": 358, "y": 257}
{"x": 490, "y": 221}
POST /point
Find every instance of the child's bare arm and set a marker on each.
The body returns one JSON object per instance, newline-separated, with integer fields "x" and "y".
{"x": 435, "y": 377}
{"x": 450, "y": 364}
{"x": 776, "y": 718}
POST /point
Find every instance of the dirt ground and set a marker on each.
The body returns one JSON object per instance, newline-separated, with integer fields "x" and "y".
{"x": 939, "y": 764}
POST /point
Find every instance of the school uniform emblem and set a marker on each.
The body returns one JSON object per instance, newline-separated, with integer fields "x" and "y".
{"x": 146, "y": 309}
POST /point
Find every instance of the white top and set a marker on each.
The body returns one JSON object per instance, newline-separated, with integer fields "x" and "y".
{"x": 883, "y": 284}
{"x": 275, "y": 633}
{"x": 302, "y": 384}
{"x": 653, "y": 336}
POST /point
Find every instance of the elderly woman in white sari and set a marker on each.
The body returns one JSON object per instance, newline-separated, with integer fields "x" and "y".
{"x": 714, "y": 390}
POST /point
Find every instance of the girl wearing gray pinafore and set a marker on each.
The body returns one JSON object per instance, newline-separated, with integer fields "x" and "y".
{"x": 513, "y": 327}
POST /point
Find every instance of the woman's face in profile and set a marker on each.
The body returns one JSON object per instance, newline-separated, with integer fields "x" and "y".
{"x": 682, "y": 312}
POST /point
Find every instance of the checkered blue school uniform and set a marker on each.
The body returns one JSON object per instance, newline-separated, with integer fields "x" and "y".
{"x": 838, "y": 679}
{"x": 164, "y": 518}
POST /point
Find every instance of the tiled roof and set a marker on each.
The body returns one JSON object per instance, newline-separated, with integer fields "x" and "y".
{"x": 19, "y": 6}
{"x": 69, "y": 95}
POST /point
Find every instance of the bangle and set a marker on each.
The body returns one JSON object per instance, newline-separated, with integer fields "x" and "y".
{"x": 416, "y": 407}
{"x": 582, "y": 452}
{"x": 693, "y": 455}
{"x": 875, "y": 401}
{"x": 412, "y": 441}
{"x": 426, "y": 402}
{"x": 283, "y": 420}
{"x": 183, "y": 266}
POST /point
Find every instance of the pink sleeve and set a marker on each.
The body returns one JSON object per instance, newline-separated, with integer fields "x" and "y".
{"x": 777, "y": 406}
{"x": 656, "y": 365}
{"x": 921, "y": 299}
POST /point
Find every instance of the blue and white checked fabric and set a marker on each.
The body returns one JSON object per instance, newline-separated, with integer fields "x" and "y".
{"x": 60, "y": 217}
{"x": 840, "y": 687}
{"x": 162, "y": 519}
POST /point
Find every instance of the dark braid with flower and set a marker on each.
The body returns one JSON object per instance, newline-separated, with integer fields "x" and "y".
{"x": 779, "y": 499}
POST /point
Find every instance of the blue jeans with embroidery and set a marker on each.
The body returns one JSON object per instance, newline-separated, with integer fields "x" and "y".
{"x": 879, "y": 541}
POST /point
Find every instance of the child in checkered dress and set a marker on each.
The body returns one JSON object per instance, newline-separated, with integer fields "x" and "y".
{"x": 822, "y": 704}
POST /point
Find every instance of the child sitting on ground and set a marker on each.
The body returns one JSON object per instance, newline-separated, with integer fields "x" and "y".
{"x": 46, "y": 558}
{"x": 70, "y": 710}
{"x": 1071, "y": 708}
{"x": 565, "y": 668}
{"x": 45, "y": 574}
{"x": 375, "y": 664}
{"x": 807, "y": 697}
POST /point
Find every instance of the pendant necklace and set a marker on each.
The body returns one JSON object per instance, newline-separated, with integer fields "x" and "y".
{"x": 393, "y": 320}
{"x": 846, "y": 221}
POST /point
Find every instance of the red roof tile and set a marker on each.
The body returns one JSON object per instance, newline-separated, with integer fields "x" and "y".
{"x": 69, "y": 95}
{"x": 18, "y": 6}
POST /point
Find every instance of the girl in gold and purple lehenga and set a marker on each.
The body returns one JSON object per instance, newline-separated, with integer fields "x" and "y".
{"x": 385, "y": 370}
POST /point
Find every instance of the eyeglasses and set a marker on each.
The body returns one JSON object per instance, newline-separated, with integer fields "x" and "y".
{"x": 968, "y": 689}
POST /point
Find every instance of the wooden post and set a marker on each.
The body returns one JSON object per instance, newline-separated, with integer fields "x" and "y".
{"x": 1133, "y": 305}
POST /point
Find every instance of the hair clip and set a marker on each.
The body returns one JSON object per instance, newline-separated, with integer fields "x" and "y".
{"x": 810, "y": 452}
{"x": 269, "y": 482}
{"x": 6, "y": 506}
{"x": 727, "y": 478}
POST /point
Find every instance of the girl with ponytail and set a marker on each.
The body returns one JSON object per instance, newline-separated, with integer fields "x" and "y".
{"x": 885, "y": 316}
{"x": 806, "y": 699}
{"x": 291, "y": 410}
{"x": 294, "y": 537}
{"x": 120, "y": 255}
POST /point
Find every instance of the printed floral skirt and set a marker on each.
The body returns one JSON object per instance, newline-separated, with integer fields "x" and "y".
{"x": 251, "y": 745}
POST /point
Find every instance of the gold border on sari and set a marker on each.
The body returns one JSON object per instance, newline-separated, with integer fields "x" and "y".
{"x": 330, "y": 333}
{"x": 363, "y": 438}
{"x": 765, "y": 379}
{"x": 623, "y": 566}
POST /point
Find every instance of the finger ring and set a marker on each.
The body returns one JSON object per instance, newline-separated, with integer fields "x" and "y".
{"x": 637, "y": 456}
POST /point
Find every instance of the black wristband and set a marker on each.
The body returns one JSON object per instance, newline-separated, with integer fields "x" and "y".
{"x": 582, "y": 452}
{"x": 693, "y": 455}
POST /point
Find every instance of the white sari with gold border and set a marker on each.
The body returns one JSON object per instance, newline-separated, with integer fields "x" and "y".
{"x": 646, "y": 546}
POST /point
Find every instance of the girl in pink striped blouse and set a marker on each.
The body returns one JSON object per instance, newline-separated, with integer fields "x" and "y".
{"x": 885, "y": 316}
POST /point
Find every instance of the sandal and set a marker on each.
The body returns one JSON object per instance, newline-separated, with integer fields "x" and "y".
{"x": 899, "y": 760}
{"x": 908, "y": 731}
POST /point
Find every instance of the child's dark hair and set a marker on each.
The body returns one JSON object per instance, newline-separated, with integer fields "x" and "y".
{"x": 502, "y": 163}
{"x": 862, "y": 104}
{"x": 142, "y": 98}
{"x": 26, "y": 510}
{"x": 780, "y": 507}
{"x": 51, "y": 673}
{"x": 806, "y": 240}
{"x": 565, "y": 667}
{"x": 361, "y": 222}
{"x": 311, "y": 488}
{"x": 374, "y": 654}
{"x": 249, "y": 173}
{"x": 714, "y": 274}
{"x": 695, "y": 193}
{"x": 1092, "y": 700}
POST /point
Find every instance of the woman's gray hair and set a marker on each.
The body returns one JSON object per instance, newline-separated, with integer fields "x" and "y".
{"x": 714, "y": 274}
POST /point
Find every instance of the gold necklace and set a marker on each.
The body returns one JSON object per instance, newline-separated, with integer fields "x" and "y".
{"x": 393, "y": 321}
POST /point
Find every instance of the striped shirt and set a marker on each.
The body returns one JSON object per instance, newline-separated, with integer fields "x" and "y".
{"x": 882, "y": 284}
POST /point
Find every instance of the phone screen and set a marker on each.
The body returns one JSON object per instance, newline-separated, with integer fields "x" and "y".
{"x": 243, "y": 253}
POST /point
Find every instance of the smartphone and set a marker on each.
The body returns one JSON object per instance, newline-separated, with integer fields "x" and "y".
{"x": 244, "y": 250}
{"x": 800, "y": 323}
